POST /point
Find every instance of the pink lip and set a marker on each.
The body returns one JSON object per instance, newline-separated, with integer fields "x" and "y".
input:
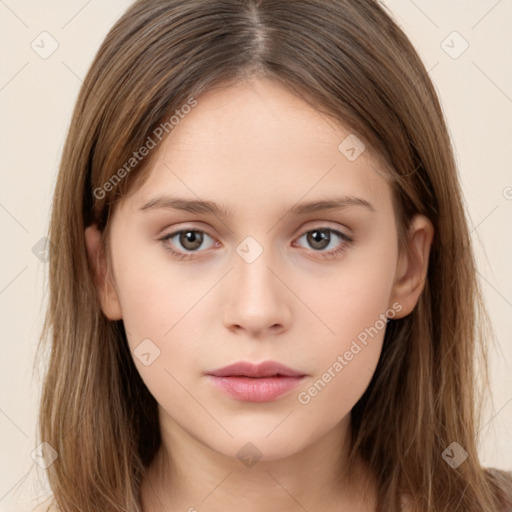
{"x": 247, "y": 369}
{"x": 256, "y": 383}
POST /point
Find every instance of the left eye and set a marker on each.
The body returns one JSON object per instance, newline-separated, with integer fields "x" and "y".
{"x": 319, "y": 239}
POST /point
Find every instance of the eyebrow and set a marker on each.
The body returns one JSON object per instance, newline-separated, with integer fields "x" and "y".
{"x": 209, "y": 207}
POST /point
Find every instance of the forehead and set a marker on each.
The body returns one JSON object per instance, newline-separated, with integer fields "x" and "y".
{"x": 257, "y": 144}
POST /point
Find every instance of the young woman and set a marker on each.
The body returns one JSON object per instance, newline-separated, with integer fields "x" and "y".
{"x": 262, "y": 289}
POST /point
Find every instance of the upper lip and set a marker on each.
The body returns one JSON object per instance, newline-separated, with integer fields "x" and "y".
{"x": 248, "y": 369}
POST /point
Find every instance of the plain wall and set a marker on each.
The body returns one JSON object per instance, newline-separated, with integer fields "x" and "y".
{"x": 37, "y": 96}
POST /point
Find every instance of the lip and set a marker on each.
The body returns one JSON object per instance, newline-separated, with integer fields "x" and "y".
{"x": 264, "y": 369}
{"x": 250, "y": 382}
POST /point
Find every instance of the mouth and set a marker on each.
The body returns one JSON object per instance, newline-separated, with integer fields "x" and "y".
{"x": 248, "y": 369}
{"x": 250, "y": 382}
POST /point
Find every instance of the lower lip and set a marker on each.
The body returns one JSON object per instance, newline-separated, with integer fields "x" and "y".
{"x": 249, "y": 389}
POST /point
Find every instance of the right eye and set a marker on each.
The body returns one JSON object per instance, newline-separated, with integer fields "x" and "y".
{"x": 189, "y": 239}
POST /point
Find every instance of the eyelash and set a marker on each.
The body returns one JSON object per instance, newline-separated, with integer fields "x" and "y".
{"x": 325, "y": 255}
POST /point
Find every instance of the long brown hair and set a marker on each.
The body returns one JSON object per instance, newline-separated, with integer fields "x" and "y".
{"x": 350, "y": 60}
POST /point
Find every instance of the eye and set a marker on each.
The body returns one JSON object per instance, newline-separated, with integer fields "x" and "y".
{"x": 189, "y": 239}
{"x": 321, "y": 238}
{"x": 318, "y": 238}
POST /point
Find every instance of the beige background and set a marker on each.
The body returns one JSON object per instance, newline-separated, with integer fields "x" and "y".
{"x": 37, "y": 97}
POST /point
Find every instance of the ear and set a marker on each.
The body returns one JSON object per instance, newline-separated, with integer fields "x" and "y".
{"x": 412, "y": 266}
{"x": 103, "y": 281}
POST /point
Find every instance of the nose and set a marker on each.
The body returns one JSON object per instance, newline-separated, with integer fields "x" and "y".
{"x": 258, "y": 296}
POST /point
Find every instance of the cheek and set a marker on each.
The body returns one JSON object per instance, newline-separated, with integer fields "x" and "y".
{"x": 154, "y": 292}
{"x": 346, "y": 360}
{"x": 353, "y": 298}
{"x": 160, "y": 305}
{"x": 351, "y": 306}
{"x": 162, "y": 328}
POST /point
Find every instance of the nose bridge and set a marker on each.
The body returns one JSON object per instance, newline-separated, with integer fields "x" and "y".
{"x": 252, "y": 265}
{"x": 257, "y": 298}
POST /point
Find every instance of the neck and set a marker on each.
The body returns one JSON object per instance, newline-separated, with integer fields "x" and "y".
{"x": 186, "y": 475}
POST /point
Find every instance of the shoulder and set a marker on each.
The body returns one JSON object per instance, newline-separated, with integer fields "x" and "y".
{"x": 501, "y": 481}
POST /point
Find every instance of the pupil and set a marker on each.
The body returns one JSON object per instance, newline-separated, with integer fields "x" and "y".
{"x": 324, "y": 237}
{"x": 192, "y": 237}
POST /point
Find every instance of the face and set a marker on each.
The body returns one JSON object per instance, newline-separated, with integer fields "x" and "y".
{"x": 262, "y": 278}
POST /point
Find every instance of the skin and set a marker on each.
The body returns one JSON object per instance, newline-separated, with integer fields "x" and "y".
{"x": 258, "y": 149}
